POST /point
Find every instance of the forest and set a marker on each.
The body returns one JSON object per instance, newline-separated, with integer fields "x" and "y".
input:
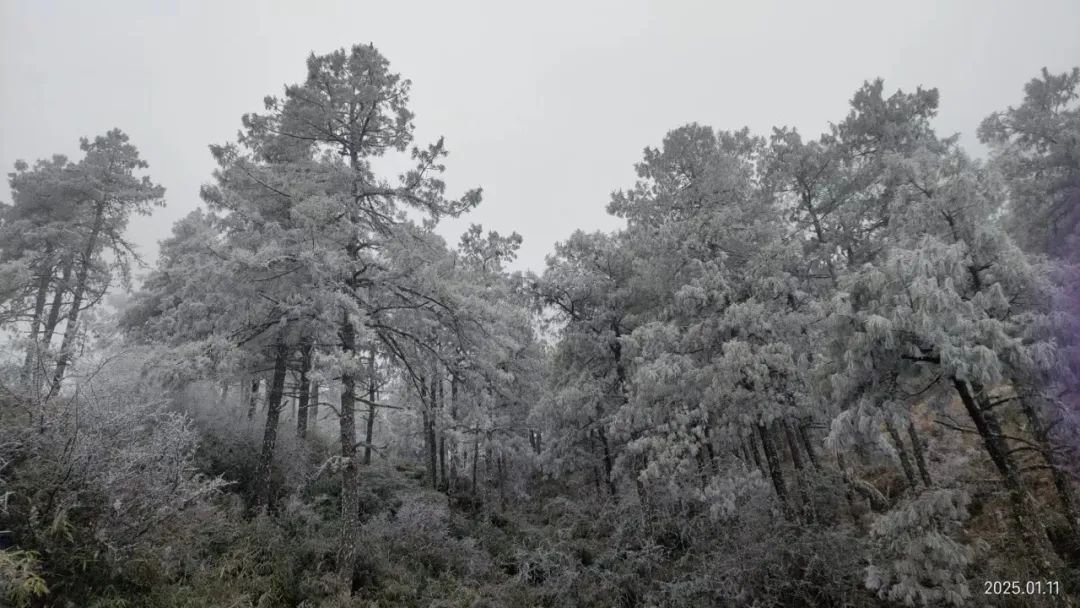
{"x": 833, "y": 371}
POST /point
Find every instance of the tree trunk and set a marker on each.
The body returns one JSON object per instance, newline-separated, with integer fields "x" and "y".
{"x": 745, "y": 451}
{"x": 253, "y": 398}
{"x": 442, "y": 443}
{"x": 502, "y": 482}
{"x": 710, "y": 452}
{"x": 920, "y": 457}
{"x": 313, "y": 406}
{"x": 373, "y": 398}
{"x": 454, "y": 450}
{"x": 33, "y": 349}
{"x": 263, "y": 481}
{"x": 433, "y": 447}
{"x": 641, "y": 463}
{"x": 444, "y": 484}
{"x": 756, "y": 453}
{"x": 57, "y": 304}
{"x": 703, "y": 468}
{"x": 990, "y": 432}
{"x": 81, "y": 278}
{"x": 427, "y": 412}
{"x": 1057, "y": 468}
{"x": 245, "y": 391}
{"x": 608, "y": 462}
{"x": 775, "y": 474}
{"x": 223, "y": 398}
{"x": 804, "y": 434}
{"x": 305, "y": 391}
{"x": 877, "y": 500}
{"x": 455, "y": 455}
{"x": 793, "y": 445}
{"x": 1024, "y": 514}
{"x": 797, "y": 462}
{"x": 905, "y": 460}
{"x": 475, "y": 459}
{"x": 350, "y": 482}
{"x": 487, "y": 467}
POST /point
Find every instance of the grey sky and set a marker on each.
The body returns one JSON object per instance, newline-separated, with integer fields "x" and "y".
{"x": 547, "y": 105}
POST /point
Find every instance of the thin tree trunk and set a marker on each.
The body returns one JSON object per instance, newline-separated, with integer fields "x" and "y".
{"x": 849, "y": 492}
{"x": 709, "y": 450}
{"x": 905, "y": 459}
{"x": 775, "y": 474}
{"x": 223, "y": 399}
{"x": 263, "y": 485}
{"x": 454, "y": 449}
{"x": 475, "y": 460}
{"x": 433, "y": 452}
{"x": 57, "y": 304}
{"x": 1024, "y": 513}
{"x": 608, "y": 462}
{"x": 81, "y": 278}
{"x": 642, "y": 462}
{"x": 305, "y": 391}
{"x": 443, "y": 484}
{"x": 793, "y": 445}
{"x": 920, "y": 457}
{"x": 877, "y": 500}
{"x": 245, "y": 391}
{"x": 756, "y": 453}
{"x": 350, "y": 482}
{"x": 502, "y": 482}
{"x": 253, "y": 398}
{"x": 33, "y": 349}
{"x": 313, "y": 406}
{"x": 797, "y": 462}
{"x": 373, "y": 398}
{"x": 428, "y": 412}
{"x": 487, "y": 468}
{"x": 442, "y": 442}
{"x": 455, "y": 455}
{"x": 990, "y": 431}
{"x": 703, "y": 468}
{"x": 804, "y": 434}
{"x": 1061, "y": 483}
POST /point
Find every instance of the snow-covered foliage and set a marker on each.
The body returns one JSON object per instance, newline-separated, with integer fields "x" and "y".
{"x": 831, "y": 371}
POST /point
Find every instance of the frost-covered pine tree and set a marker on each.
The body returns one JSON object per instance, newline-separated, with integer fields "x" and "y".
{"x": 1036, "y": 146}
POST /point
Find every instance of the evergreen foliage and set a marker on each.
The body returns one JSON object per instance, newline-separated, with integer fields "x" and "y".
{"x": 838, "y": 371}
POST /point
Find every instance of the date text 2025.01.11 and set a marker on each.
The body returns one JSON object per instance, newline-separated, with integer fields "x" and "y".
{"x": 1045, "y": 587}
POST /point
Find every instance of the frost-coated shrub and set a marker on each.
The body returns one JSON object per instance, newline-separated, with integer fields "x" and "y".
{"x": 728, "y": 546}
{"x": 418, "y": 534}
{"x": 919, "y": 561}
{"x": 755, "y": 556}
{"x": 230, "y": 443}
{"x": 20, "y": 582}
{"x": 120, "y": 445}
{"x": 101, "y": 474}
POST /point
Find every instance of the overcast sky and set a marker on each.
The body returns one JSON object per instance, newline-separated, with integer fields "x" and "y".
{"x": 546, "y": 105}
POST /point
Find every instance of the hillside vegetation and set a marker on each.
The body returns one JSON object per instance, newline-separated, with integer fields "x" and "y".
{"x": 832, "y": 371}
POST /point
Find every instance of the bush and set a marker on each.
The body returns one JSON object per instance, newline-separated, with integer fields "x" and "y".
{"x": 102, "y": 482}
{"x": 20, "y": 580}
